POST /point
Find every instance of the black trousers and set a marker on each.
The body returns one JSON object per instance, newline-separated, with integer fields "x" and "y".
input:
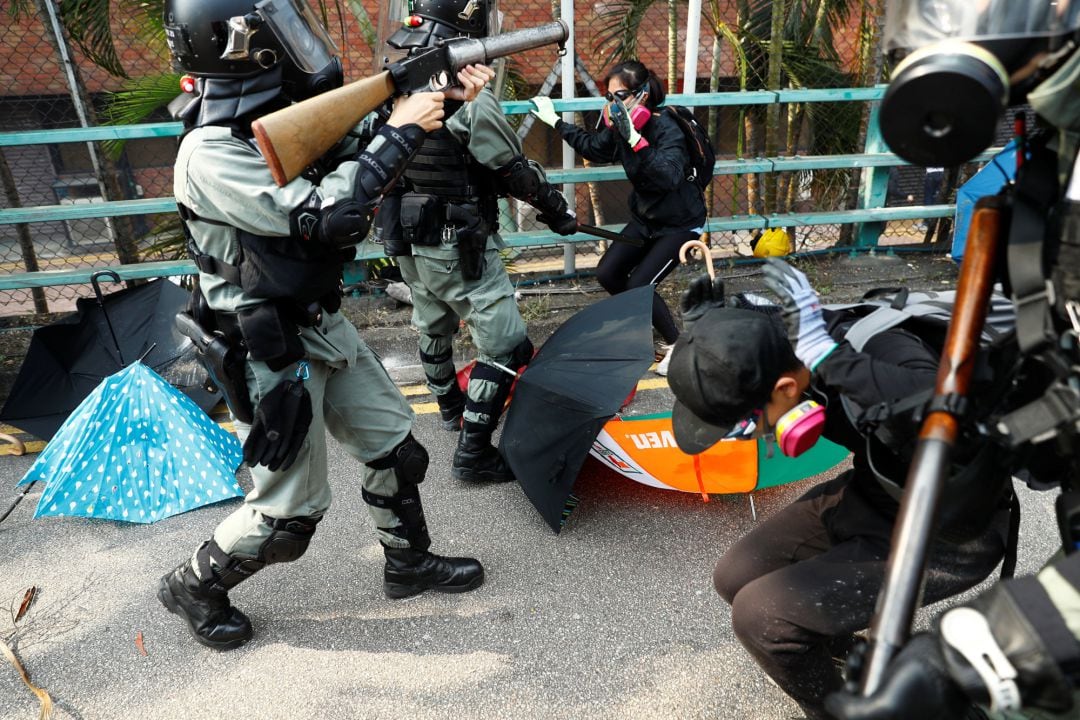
{"x": 806, "y": 579}
{"x": 624, "y": 267}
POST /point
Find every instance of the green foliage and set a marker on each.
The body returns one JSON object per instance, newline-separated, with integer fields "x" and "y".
{"x": 87, "y": 22}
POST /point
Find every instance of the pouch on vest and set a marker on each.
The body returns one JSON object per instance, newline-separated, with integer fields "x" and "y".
{"x": 420, "y": 219}
{"x": 284, "y": 267}
{"x": 270, "y": 337}
{"x": 388, "y": 226}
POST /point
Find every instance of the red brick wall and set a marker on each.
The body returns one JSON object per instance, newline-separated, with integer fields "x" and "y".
{"x": 28, "y": 64}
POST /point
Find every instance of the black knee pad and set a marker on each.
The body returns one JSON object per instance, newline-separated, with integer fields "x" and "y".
{"x": 409, "y": 461}
{"x": 289, "y": 538}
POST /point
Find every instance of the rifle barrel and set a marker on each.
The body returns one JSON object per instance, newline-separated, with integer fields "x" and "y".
{"x": 902, "y": 589}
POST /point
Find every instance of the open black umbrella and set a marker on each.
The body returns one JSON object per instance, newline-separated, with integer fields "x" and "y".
{"x": 67, "y": 359}
{"x": 575, "y": 384}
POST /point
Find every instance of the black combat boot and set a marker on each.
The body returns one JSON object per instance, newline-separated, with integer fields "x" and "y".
{"x": 205, "y": 606}
{"x": 477, "y": 460}
{"x": 451, "y": 406}
{"x": 410, "y": 572}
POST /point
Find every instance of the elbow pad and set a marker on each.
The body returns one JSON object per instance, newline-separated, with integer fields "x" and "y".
{"x": 384, "y": 159}
{"x": 519, "y": 178}
{"x": 523, "y": 179}
{"x": 342, "y": 222}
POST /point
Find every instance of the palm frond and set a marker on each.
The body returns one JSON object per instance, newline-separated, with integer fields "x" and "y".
{"x": 618, "y": 24}
{"x": 87, "y": 21}
{"x": 367, "y": 27}
{"x": 150, "y": 28}
{"x": 136, "y": 101}
{"x": 20, "y": 8}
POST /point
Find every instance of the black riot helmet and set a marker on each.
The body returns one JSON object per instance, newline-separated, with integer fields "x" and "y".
{"x": 412, "y": 24}
{"x": 242, "y": 39}
{"x": 960, "y": 63}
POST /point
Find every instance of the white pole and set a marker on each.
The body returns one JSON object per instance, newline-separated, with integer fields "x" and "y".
{"x": 566, "y": 10}
{"x": 693, "y": 35}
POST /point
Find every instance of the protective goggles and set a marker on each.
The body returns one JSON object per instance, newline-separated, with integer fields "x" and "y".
{"x": 623, "y": 95}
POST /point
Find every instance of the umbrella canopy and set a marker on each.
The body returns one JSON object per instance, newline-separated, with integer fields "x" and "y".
{"x": 68, "y": 359}
{"x": 574, "y": 384}
{"x": 643, "y": 448}
{"x": 137, "y": 450}
{"x": 988, "y": 181}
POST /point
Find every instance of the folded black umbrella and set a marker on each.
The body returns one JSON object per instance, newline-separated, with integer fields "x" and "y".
{"x": 67, "y": 359}
{"x": 575, "y": 383}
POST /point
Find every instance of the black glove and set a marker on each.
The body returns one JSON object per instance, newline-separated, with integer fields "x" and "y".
{"x": 562, "y": 224}
{"x": 917, "y": 687}
{"x": 703, "y": 294}
{"x": 280, "y": 426}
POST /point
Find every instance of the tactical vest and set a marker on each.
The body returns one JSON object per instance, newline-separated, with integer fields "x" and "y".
{"x": 443, "y": 168}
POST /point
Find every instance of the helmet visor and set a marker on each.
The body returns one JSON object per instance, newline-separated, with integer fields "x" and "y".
{"x": 912, "y": 24}
{"x": 299, "y": 32}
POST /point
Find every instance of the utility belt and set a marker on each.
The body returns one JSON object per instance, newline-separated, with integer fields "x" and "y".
{"x": 270, "y": 331}
{"x": 428, "y": 220}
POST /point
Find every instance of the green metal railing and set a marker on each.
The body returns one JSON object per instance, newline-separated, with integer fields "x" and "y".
{"x": 870, "y": 214}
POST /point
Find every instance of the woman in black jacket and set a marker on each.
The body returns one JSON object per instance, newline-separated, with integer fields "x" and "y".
{"x": 667, "y": 209}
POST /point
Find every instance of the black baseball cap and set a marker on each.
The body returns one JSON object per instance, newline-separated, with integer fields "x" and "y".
{"x": 722, "y": 370}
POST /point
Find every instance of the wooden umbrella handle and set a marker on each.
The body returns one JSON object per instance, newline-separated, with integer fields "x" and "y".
{"x": 689, "y": 245}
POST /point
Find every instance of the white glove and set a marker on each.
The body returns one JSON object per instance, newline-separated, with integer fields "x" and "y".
{"x": 802, "y": 312}
{"x": 545, "y": 110}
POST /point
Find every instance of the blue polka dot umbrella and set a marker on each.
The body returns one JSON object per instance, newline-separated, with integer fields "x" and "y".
{"x": 138, "y": 450}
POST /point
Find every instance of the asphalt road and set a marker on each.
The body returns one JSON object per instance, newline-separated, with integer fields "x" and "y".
{"x": 613, "y": 618}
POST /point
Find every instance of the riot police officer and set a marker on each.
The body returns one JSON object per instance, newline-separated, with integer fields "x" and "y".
{"x": 1015, "y": 649}
{"x": 270, "y": 262}
{"x": 445, "y": 238}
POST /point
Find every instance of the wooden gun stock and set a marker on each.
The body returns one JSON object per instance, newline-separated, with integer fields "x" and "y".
{"x": 294, "y": 137}
{"x": 902, "y": 590}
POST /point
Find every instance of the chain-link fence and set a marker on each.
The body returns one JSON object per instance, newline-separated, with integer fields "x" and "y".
{"x": 119, "y": 71}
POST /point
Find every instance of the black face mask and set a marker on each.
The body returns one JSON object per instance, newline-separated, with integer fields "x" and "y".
{"x": 300, "y": 85}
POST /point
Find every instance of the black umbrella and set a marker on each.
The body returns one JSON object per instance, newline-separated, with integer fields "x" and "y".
{"x": 575, "y": 384}
{"x": 67, "y": 359}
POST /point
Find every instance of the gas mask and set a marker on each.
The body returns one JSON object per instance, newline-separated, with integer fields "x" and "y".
{"x": 960, "y": 63}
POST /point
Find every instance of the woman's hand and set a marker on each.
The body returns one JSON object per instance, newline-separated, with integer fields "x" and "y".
{"x": 424, "y": 109}
{"x": 473, "y": 78}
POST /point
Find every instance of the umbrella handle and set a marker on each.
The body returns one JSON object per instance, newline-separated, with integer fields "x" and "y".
{"x": 96, "y": 277}
{"x": 689, "y": 245}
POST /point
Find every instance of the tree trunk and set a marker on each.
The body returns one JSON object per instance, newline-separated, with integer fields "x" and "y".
{"x": 753, "y": 189}
{"x": 26, "y": 243}
{"x": 871, "y": 67}
{"x": 772, "y": 112}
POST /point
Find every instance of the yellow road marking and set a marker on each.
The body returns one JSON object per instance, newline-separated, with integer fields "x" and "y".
{"x": 222, "y": 418}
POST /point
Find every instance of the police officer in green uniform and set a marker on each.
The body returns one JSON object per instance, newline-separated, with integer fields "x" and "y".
{"x": 270, "y": 262}
{"x": 444, "y": 234}
{"x": 1014, "y": 651}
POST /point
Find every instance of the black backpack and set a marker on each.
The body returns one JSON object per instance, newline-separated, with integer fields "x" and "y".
{"x": 702, "y": 155}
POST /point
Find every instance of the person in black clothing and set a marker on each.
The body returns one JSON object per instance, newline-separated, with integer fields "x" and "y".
{"x": 805, "y": 580}
{"x": 667, "y": 208}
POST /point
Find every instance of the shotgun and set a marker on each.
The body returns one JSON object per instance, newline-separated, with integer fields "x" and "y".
{"x": 294, "y": 137}
{"x": 904, "y": 573}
